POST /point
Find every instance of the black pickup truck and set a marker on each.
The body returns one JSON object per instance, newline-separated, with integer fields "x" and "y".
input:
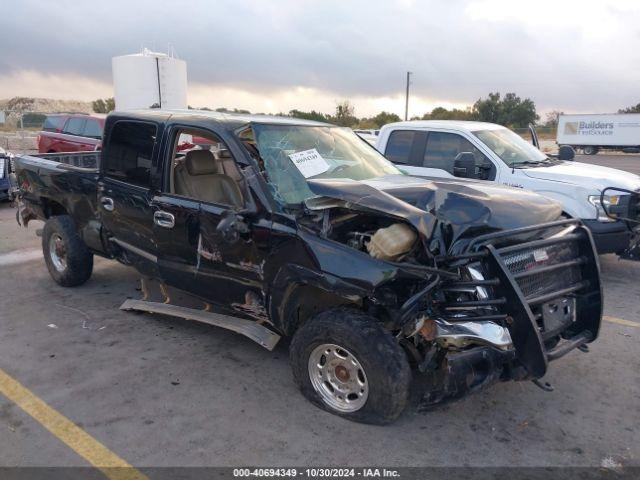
{"x": 278, "y": 227}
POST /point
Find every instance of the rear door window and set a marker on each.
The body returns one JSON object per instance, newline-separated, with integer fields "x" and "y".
{"x": 92, "y": 129}
{"x": 53, "y": 123}
{"x": 399, "y": 146}
{"x": 129, "y": 152}
{"x": 74, "y": 126}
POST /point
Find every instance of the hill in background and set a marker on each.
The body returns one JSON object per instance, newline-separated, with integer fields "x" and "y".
{"x": 17, "y": 106}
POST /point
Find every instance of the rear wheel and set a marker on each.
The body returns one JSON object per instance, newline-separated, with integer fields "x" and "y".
{"x": 68, "y": 259}
{"x": 589, "y": 150}
{"x": 346, "y": 363}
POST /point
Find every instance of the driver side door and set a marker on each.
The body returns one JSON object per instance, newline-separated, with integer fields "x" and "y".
{"x": 210, "y": 243}
{"x": 442, "y": 149}
{"x": 232, "y": 247}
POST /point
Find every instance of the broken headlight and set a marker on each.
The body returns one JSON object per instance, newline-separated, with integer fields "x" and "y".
{"x": 602, "y": 206}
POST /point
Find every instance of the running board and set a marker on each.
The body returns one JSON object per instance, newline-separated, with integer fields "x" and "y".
{"x": 259, "y": 334}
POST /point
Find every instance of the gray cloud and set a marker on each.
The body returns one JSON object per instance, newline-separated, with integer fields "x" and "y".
{"x": 350, "y": 48}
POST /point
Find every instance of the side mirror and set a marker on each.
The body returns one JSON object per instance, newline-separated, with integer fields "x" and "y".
{"x": 464, "y": 165}
{"x": 231, "y": 226}
{"x": 484, "y": 170}
{"x": 566, "y": 152}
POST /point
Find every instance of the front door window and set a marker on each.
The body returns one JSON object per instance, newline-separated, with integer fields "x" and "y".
{"x": 443, "y": 148}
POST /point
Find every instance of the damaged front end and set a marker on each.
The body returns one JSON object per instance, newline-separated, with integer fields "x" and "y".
{"x": 492, "y": 306}
{"x": 523, "y": 298}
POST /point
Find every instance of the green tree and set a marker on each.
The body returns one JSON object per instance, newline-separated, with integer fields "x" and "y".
{"x": 385, "y": 117}
{"x": 345, "y": 114}
{"x": 367, "y": 123}
{"x": 510, "y": 111}
{"x": 441, "y": 113}
{"x": 377, "y": 121}
{"x": 235, "y": 110}
{"x": 488, "y": 110}
{"x": 633, "y": 109}
{"x": 103, "y": 105}
{"x": 312, "y": 115}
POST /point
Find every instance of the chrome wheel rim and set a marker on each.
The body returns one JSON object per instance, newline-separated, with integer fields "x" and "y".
{"x": 338, "y": 377}
{"x": 58, "y": 252}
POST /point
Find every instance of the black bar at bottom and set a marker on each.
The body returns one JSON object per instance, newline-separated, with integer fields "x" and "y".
{"x": 565, "y": 347}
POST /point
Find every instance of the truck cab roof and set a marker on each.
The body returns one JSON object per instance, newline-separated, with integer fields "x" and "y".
{"x": 464, "y": 125}
{"x": 230, "y": 120}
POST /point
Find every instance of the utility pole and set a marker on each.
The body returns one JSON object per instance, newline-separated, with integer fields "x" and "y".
{"x": 406, "y": 103}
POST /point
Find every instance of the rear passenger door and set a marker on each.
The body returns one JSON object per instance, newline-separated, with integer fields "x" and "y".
{"x": 124, "y": 191}
{"x": 406, "y": 148}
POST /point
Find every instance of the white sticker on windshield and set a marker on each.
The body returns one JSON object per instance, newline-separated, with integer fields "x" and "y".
{"x": 309, "y": 162}
{"x": 1, "y": 167}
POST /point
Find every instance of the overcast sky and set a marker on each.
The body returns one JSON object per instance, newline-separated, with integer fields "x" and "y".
{"x": 270, "y": 56}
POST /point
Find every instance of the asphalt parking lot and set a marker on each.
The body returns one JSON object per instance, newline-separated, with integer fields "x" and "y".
{"x": 629, "y": 163}
{"x": 158, "y": 391}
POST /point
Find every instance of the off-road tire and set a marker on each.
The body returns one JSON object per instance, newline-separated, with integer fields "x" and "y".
{"x": 79, "y": 260}
{"x": 383, "y": 360}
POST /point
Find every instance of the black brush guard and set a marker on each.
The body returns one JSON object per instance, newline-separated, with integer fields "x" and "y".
{"x": 560, "y": 262}
{"x": 627, "y": 210}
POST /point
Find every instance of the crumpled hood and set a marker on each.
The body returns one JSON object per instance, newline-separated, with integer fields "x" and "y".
{"x": 584, "y": 174}
{"x": 463, "y": 206}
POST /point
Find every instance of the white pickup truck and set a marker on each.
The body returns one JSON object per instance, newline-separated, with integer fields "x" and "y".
{"x": 492, "y": 153}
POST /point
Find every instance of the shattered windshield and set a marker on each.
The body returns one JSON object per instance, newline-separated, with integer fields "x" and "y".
{"x": 511, "y": 147}
{"x": 291, "y": 154}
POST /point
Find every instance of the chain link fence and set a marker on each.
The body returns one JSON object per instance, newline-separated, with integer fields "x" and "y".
{"x": 19, "y": 130}
{"x": 13, "y": 120}
{"x": 544, "y": 133}
{"x": 546, "y": 137}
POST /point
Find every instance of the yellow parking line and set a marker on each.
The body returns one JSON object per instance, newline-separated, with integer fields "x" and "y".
{"x": 113, "y": 467}
{"x": 620, "y": 321}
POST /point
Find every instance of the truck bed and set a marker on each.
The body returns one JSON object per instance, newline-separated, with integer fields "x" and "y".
{"x": 58, "y": 184}
{"x": 85, "y": 160}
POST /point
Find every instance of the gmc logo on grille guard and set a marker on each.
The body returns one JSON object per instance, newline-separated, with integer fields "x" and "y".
{"x": 540, "y": 255}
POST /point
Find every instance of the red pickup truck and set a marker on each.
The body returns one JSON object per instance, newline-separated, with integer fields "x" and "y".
{"x": 71, "y": 132}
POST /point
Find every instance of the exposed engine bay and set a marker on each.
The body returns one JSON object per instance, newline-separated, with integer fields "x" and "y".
{"x": 459, "y": 324}
{"x": 379, "y": 237}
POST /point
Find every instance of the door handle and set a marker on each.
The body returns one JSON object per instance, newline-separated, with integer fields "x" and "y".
{"x": 164, "y": 219}
{"x": 107, "y": 203}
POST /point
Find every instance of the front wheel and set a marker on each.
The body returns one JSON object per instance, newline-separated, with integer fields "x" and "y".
{"x": 590, "y": 150}
{"x": 346, "y": 363}
{"x": 69, "y": 261}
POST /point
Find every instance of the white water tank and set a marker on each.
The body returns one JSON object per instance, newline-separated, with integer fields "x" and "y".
{"x": 147, "y": 79}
